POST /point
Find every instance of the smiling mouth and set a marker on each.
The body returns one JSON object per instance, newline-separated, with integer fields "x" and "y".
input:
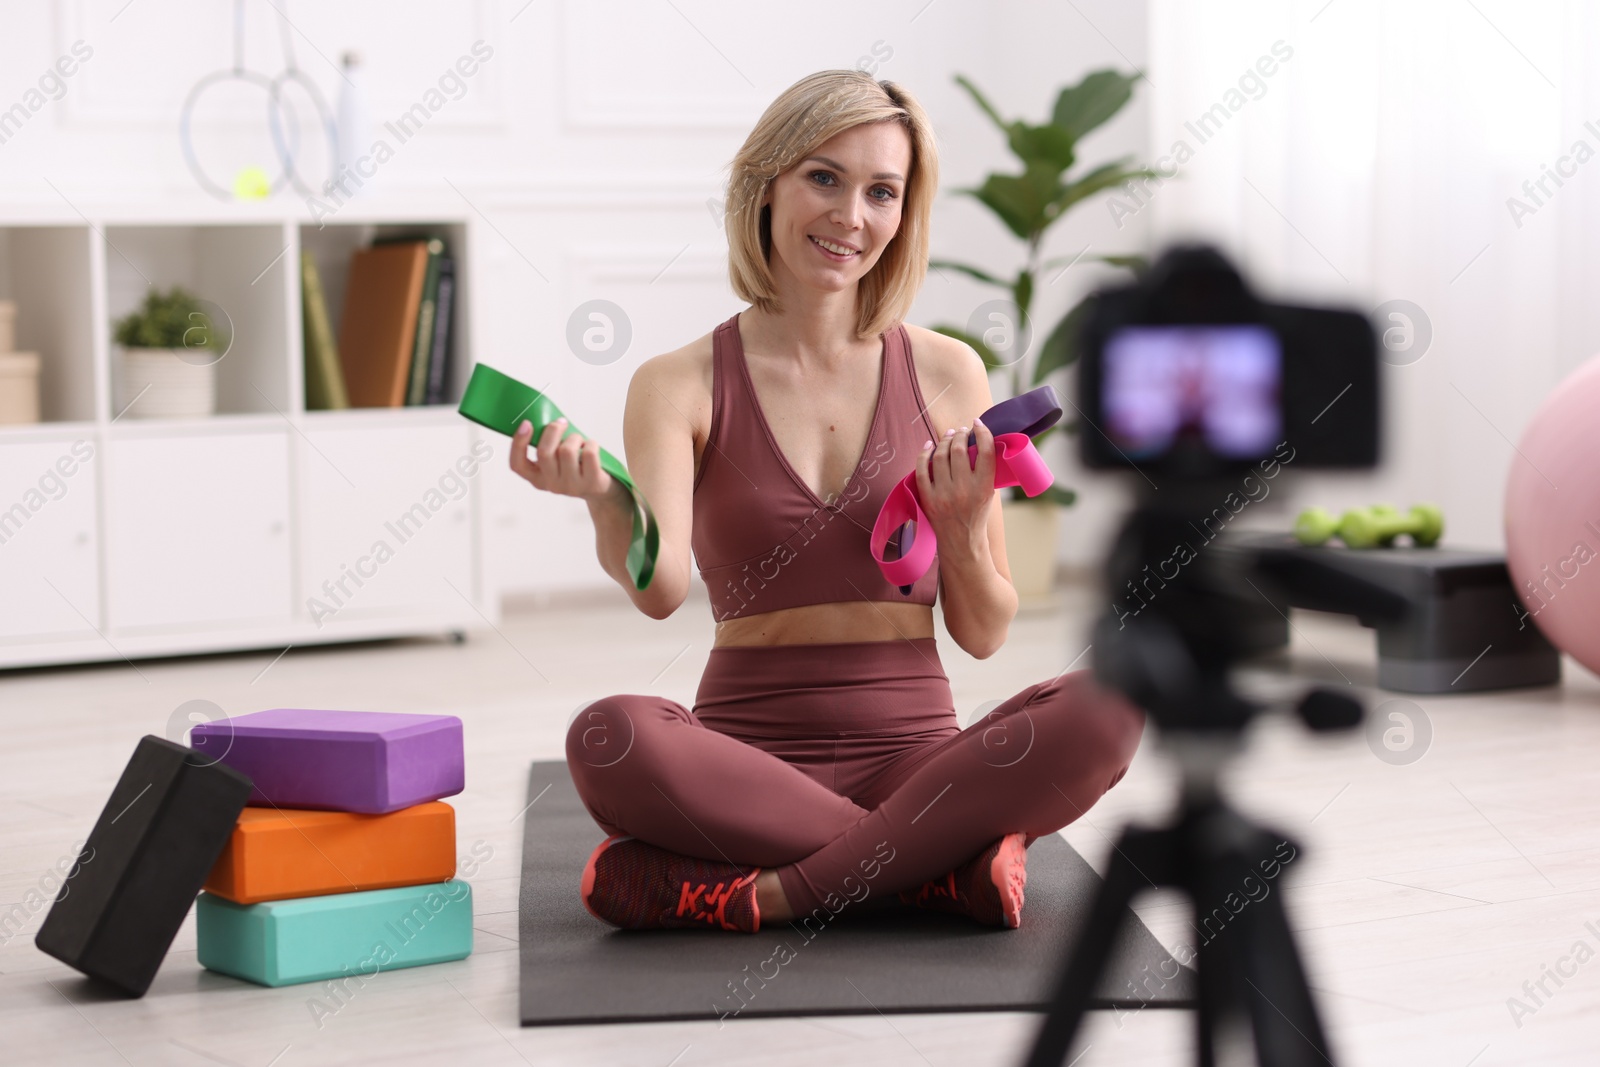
{"x": 835, "y": 249}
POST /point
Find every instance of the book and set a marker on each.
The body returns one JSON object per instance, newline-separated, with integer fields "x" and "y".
{"x": 324, "y": 376}
{"x": 379, "y": 329}
{"x": 422, "y": 345}
{"x": 439, "y": 358}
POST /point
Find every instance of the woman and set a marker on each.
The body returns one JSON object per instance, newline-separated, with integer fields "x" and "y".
{"x": 822, "y": 760}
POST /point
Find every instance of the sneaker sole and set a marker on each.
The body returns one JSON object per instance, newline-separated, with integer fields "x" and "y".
{"x": 1009, "y": 873}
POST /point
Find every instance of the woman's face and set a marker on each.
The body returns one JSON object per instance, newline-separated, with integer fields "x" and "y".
{"x": 848, "y": 193}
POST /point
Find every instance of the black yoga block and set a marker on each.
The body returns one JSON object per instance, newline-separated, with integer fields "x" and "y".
{"x": 166, "y": 823}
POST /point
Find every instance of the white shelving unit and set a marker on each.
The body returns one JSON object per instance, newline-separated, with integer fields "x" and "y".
{"x": 262, "y": 526}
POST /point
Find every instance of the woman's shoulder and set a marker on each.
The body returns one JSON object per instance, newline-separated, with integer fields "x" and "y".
{"x": 938, "y": 357}
{"x": 683, "y": 377}
{"x": 940, "y": 350}
{"x": 683, "y": 367}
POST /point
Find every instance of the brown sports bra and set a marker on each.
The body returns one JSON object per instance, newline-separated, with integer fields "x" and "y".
{"x": 762, "y": 540}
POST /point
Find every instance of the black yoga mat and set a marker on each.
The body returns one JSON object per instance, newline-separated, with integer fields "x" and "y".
{"x": 873, "y": 956}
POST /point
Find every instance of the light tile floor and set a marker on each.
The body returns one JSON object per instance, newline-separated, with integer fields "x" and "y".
{"x": 1426, "y": 896}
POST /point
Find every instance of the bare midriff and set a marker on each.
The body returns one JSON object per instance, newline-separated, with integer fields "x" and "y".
{"x": 837, "y": 623}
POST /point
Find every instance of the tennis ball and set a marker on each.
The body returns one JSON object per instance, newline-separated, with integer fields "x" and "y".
{"x": 251, "y": 183}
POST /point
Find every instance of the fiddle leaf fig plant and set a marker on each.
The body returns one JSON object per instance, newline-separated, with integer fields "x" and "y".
{"x": 1031, "y": 202}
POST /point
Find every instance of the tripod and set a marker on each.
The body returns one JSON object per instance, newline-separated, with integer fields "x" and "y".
{"x": 1249, "y": 970}
{"x": 1187, "y": 377}
{"x": 1174, "y": 660}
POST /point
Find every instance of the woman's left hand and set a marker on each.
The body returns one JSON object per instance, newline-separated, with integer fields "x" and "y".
{"x": 954, "y": 489}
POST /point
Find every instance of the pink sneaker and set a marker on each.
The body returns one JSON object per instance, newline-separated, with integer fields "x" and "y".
{"x": 637, "y": 886}
{"x": 987, "y": 887}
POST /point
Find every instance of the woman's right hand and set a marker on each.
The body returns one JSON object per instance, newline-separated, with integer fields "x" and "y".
{"x": 570, "y": 467}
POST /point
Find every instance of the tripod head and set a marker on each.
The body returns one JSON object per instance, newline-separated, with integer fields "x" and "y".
{"x": 1182, "y": 602}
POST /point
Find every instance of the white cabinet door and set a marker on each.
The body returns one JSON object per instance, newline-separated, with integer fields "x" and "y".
{"x": 49, "y": 571}
{"x": 197, "y": 530}
{"x": 386, "y": 520}
{"x": 536, "y": 542}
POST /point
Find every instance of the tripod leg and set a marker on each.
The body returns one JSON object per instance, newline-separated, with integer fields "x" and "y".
{"x": 1219, "y": 1016}
{"x": 1222, "y": 1027}
{"x": 1139, "y": 854}
{"x": 1288, "y": 1032}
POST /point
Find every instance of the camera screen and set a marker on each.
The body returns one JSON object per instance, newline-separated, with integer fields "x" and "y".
{"x": 1218, "y": 386}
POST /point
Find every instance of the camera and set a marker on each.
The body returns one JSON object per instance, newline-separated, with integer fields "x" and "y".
{"x": 1190, "y": 380}
{"x": 1186, "y": 373}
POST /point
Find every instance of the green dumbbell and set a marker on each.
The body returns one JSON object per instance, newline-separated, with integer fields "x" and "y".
{"x": 1315, "y": 526}
{"x": 1381, "y": 512}
{"x": 1380, "y": 525}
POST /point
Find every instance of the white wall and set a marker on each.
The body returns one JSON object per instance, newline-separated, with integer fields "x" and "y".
{"x": 1378, "y": 163}
{"x": 590, "y": 142}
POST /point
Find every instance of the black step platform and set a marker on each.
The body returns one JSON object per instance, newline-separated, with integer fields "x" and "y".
{"x": 1467, "y": 630}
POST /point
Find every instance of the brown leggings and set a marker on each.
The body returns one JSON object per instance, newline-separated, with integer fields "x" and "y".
{"x": 844, "y": 766}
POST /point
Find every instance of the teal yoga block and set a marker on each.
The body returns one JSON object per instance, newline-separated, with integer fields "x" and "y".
{"x": 282, "y": 942}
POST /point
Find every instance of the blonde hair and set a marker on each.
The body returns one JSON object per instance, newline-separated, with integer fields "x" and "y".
{"x": 809, "y": 112}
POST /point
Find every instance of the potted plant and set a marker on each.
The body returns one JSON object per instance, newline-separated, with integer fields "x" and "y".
{"x": 1028, "y": 204}
{"x": 169, "y": 348}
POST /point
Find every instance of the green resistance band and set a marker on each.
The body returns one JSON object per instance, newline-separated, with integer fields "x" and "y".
{"x": 500, "y": 403}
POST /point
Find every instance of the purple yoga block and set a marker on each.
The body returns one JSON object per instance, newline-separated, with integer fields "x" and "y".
{"x": 365, "y": 761}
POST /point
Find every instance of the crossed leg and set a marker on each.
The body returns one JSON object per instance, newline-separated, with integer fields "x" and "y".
{"x": 646, "y": 766}
{"x": 1034, "y": 764}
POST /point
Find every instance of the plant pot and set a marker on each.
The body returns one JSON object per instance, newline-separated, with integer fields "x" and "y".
{"x": 1031, "y": 546}
{"x": 160, "y": 384}
{"x": 19, "y": 388}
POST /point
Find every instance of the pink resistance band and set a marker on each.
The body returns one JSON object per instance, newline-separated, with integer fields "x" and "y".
{"x": 1016, "y": 462}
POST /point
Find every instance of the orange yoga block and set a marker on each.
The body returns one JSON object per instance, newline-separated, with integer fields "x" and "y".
{"x": 279, "y": 854}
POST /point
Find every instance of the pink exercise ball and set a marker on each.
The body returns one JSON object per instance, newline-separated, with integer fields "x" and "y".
{"x": 1553, "y": 517}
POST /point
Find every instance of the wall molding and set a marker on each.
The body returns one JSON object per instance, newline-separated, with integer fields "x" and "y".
{"x": 595, "y": 264}
{"x": 90, "y": 106}
{"x": 657, "y": 110}
{"x": 498, "y": 192}
{"x": 671, "y": 191}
